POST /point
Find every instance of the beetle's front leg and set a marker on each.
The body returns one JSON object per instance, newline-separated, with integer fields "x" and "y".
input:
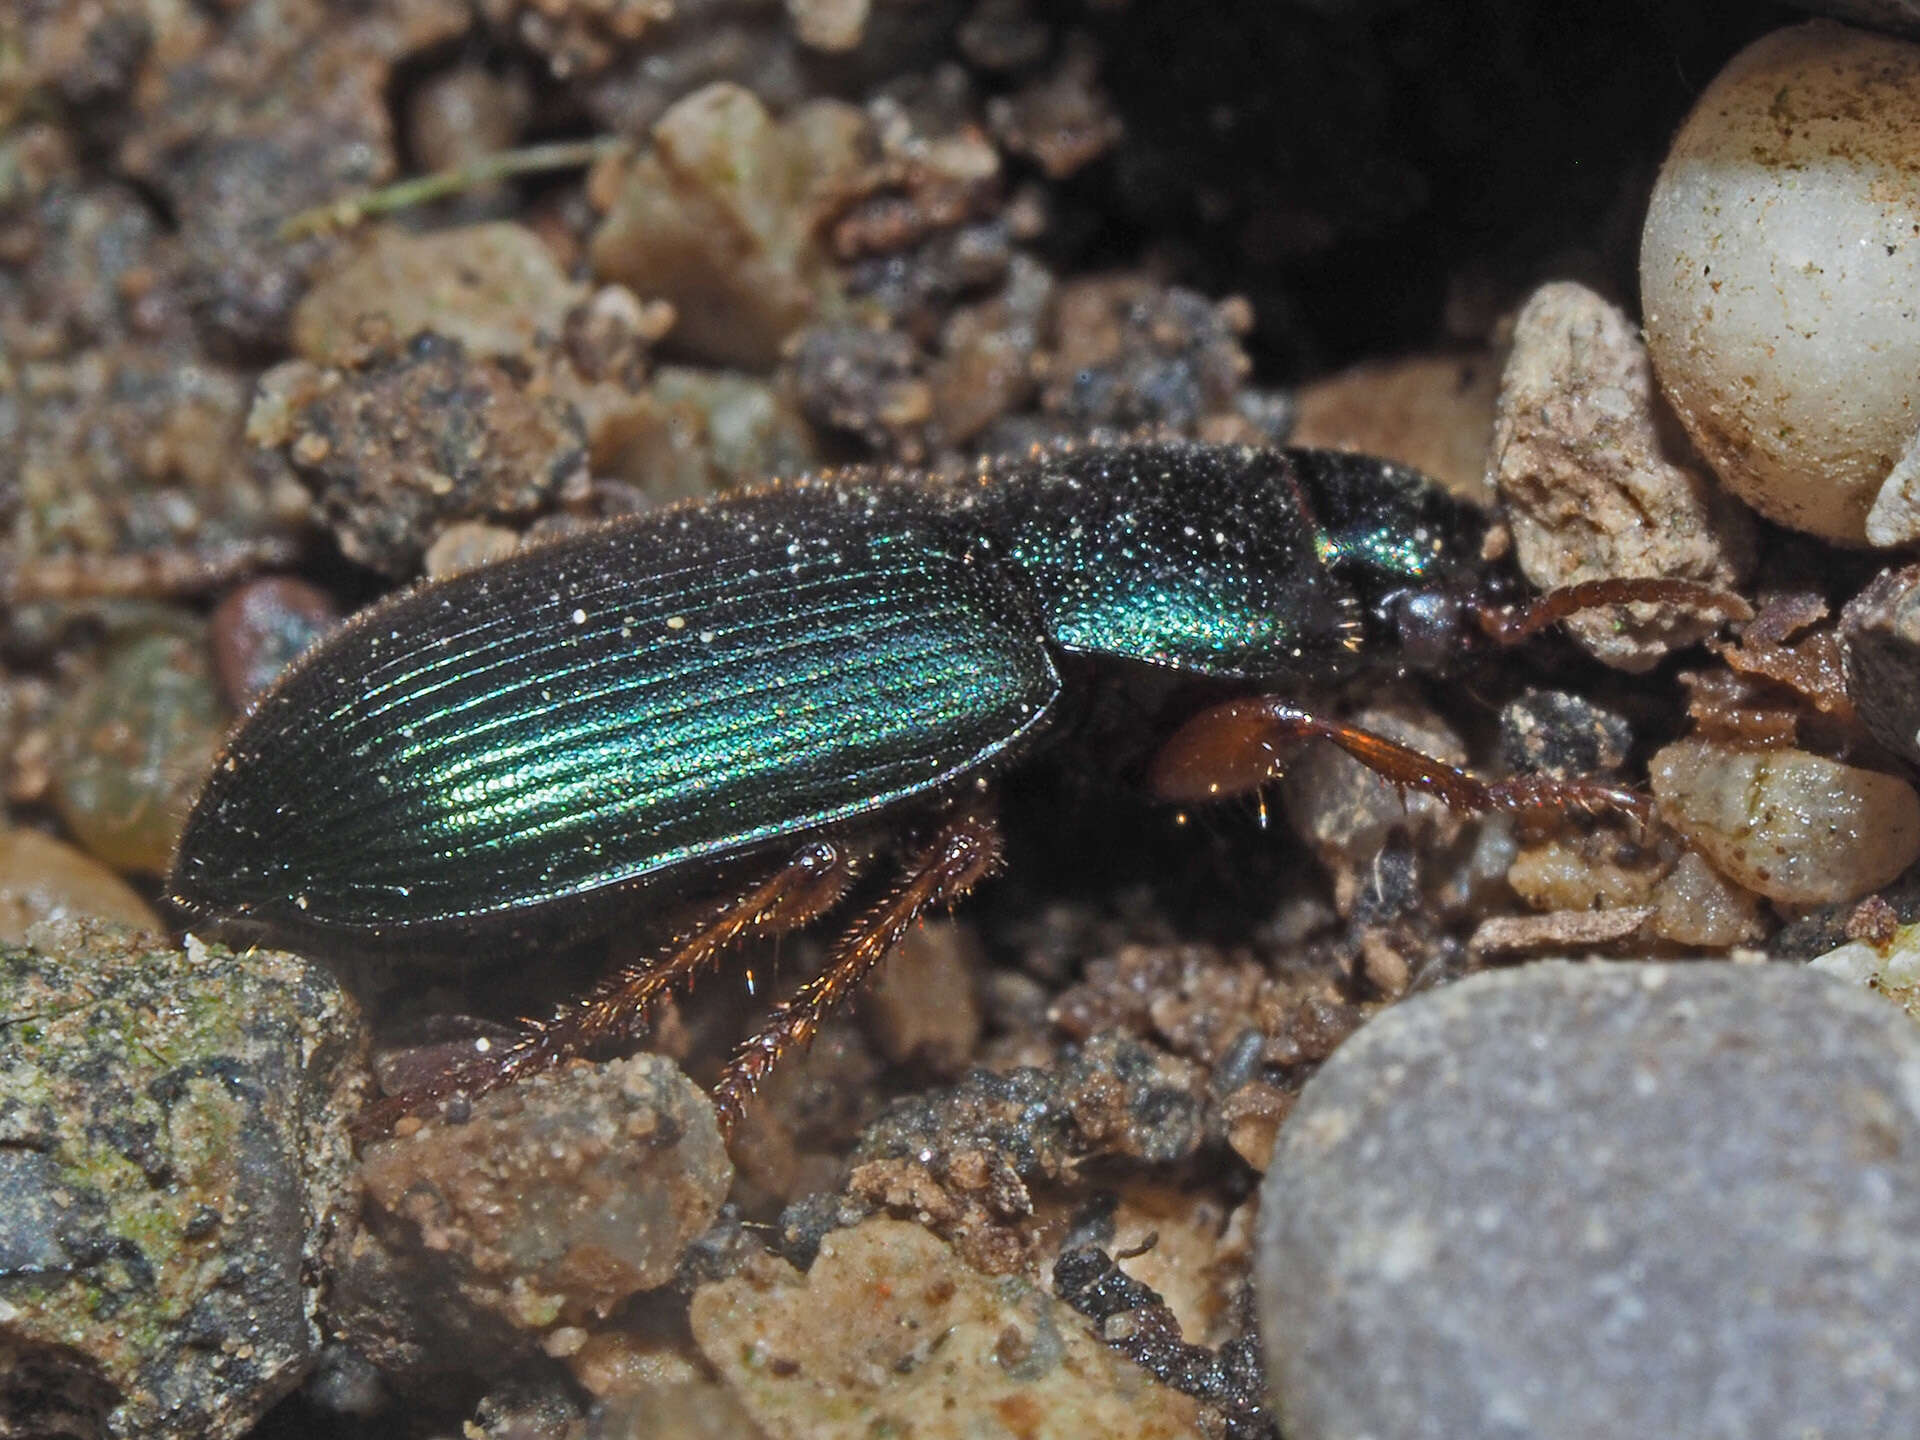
{"x": 1239, "y": 746}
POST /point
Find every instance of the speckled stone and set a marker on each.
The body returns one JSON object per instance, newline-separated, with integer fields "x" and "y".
{"x": 1581, "y": 1201}
{"x": 890, "y": 1333}
{"x": 174, "y": 1170}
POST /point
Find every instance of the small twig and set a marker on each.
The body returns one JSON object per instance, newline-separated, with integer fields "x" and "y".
{"x": 350, "y": 210}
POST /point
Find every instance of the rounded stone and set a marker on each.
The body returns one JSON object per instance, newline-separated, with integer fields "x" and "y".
{"x": 1777, "y": 274}
{"x": 1579, "y": 1201}
{"x": 1787, "y": 824}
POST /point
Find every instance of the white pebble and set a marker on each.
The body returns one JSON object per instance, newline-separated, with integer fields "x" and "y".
{"x": 1779, "y": 272}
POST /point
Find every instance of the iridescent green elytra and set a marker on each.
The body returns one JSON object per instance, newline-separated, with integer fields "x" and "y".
{"x": 476, "y": 755}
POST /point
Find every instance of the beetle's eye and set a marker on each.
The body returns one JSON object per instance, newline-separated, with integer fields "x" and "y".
{"x": 1427, "y": 627}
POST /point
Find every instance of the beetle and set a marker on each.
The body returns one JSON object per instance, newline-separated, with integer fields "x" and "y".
{"x": 755, "y": 696}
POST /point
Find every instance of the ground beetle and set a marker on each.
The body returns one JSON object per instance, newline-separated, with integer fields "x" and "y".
{"x": 756, "y": 695}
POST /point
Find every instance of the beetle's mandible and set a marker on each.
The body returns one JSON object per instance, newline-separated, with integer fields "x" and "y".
{"x": 755, "y": 696}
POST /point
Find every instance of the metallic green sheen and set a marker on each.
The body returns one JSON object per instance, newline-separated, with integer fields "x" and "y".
{"x": 656, "y": 692}
{"x": 1197, "y": 558}
{"x": 1378, "y": 525}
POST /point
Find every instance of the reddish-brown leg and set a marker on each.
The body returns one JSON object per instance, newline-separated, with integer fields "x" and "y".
{"x": 964, "y": 851}
{"x": 1239, "y": 746}
{"x": 1512, "y": 626}
{"x": 618, "y": 1007}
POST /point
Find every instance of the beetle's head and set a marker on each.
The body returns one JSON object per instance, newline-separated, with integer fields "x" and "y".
{"x": 1434, "y": 627}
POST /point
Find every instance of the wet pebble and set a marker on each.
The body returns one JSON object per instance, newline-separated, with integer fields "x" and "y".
{"x": 1594, "y": 488}
{"x": 133, "y": 745}
{"x": 1792, "y": 826}
{"x": 1778, "y": 250}
{"x": 174, "y": 1175}
{"x": 1648, "y": 1200}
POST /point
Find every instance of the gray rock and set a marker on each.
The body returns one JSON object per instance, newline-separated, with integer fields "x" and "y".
{"x": 1602, "y": 1201}
{"x": 173, "y": 1170}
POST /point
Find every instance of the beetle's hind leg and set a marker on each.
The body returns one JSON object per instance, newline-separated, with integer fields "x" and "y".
{"x": 1239, "y": 746}
{"x": 962, "y": 853}
{"x": 617, "y": 1008}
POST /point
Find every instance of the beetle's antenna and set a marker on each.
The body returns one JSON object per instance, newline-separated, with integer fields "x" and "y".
{"x": 1512, "y": 625}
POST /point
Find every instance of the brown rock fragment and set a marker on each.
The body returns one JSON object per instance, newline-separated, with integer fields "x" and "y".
{"x": 413, "y": 438}
{"x": 560, "y": 1196}
{"x": 494, "y": 288}
{"x": 1433, "y": 412}
{"x": 715, "y": 217}
{"x": 1596, "y": 482}
{"x": 890, "y": 1333}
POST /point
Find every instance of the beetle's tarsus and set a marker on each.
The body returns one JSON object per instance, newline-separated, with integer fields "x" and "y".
{"x": 964, "y": 851}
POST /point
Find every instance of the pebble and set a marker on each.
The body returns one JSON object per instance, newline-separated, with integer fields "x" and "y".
{"x": 260, "y": 628}
{"x": 714, "y": 217}
{"x": 413, "y": 437}
{"x": 496, "y": 288}
{"x": 889, "y": 1333}
{"x": 463, "y": 113}
{"x": 466, "y": 544}
{"x": 1432, "y": 412}
{"x": 1882, "y": 629}
{"x": 560, "y": 1196}
{"x": 1593, "y": 487}
{"x": 1795, "y": 827}
{"x": 830, "y": 25}
{"x": 704, "y": 431}
{"x": 1062, "y": 122}
{"x": 42, "y": 879}
{"x": 1778, "y": 253}
{"x": 1557, "y": 732}
{"x": 173, "y": 1179}
{"x": 1576, "y": 1202}
{"x": 970, "y": 1159}
{"x": 132, "y": 746}
{"x": 1681, "y": 897}
{"x": 1346, "y": 812}
{"x": 922, "y": 1005}
{"x": 1890, "y": 967}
